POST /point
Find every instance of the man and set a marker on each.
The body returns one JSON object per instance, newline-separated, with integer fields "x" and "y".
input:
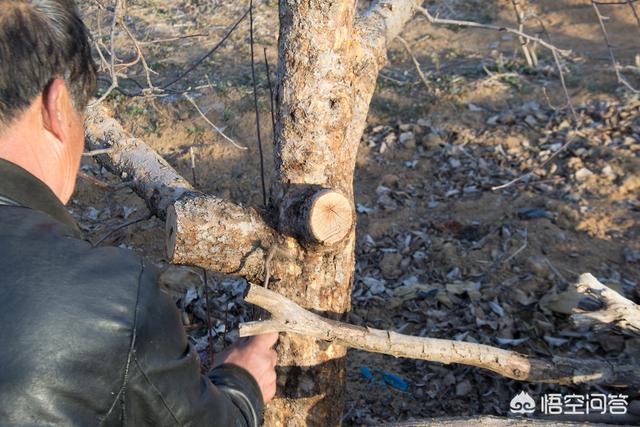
{"x": 87, "y": 338}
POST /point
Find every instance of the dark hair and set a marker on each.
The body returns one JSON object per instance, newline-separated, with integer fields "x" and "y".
{"x": 41, "y": 40}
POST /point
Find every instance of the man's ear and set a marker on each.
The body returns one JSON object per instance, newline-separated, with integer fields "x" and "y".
{"x": 56, "y": 106}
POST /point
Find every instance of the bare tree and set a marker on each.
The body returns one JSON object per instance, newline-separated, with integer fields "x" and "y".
{"x": 302, "y": 243}
{"x": 329, "y": 59}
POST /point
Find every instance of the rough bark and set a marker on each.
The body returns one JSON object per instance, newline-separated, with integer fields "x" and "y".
{"x": 218, "y": 235}
{"x": 328, "y": 66}
{"x": 130, "y": 158}
{"x": 289, "y": 317}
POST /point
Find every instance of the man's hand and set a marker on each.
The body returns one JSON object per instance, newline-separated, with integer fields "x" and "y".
{"x": 257, "y": 356}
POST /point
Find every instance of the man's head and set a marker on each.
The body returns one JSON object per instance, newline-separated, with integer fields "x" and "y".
{"x": 47, "y": 77}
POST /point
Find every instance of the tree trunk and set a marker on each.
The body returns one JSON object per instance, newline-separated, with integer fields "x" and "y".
{"x": 328, "y": 66}
{"x": 329, "y": 58}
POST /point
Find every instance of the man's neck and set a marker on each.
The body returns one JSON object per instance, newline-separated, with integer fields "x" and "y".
{"x": 23, "y": 144}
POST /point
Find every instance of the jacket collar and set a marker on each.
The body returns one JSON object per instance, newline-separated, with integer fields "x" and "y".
{"x": 19, "y": 188}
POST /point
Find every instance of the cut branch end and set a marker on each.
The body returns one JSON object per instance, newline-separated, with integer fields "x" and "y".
{"x": 330, "y": 217}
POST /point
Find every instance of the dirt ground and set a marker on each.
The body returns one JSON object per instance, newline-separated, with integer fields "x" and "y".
{"x": 440, "y": 252}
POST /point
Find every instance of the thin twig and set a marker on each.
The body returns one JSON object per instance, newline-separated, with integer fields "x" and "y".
{"x": 92, "y": 179}
{"x": 226, "y": 322}
{"x": 415, "y": 62}
{"x": 208, "y": 54}
{"x": 529, "y": 55}
{"x": 555, "y": 270}
{"x": 147, "y": 69}
{"x": 471, "y": 24}
{"x": 396, "y": 81}
{"x": 541, "y": 166}
{"x": 634, "y": 11}
{"x": 496, "y": 76}
{"x": 193, "y": 167}
{"x": 209, "y": 334}
{"x": 267, "y": 265}
{"x": 103, "y": 60}
{"x": 173, "y": 39}
{"x": 98, "y": 152}
{"x": 112, "y": 67}
{"x": 120, "y": 227}
{"x": 217, "y": 129}
{"x": 255, "y": 102}
{"x": 614, "y": 62}
{"x": 556, "y": 59}
{"x": 564, "y": 84}
{"x": 267, "y": 276}
{"x": 549, "y": 103}
{"x": 614, "y": 2}
{"x": 271, "y": 100}
{"x": 105, "y": 185}
{"x": 521, "y": 248}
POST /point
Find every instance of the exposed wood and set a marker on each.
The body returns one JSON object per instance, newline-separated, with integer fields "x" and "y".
{"x": 130, "y": 158}
{"x": 330, "y": 217}
{"x": 617, "y": 311}
{"x": 218, "y": 235}
{"x": 289, "y": 317}
{"x": 316, "y": 216}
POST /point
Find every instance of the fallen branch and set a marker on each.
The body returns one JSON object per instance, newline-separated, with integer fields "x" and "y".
{"x": 289, "y": 317}
{"x": 617, "y": 311}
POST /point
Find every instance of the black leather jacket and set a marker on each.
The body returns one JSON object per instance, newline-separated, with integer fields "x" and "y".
{"x": 86, "y": 336}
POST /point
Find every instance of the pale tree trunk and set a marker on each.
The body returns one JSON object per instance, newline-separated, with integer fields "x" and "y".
{"x": 328, "y": 66}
